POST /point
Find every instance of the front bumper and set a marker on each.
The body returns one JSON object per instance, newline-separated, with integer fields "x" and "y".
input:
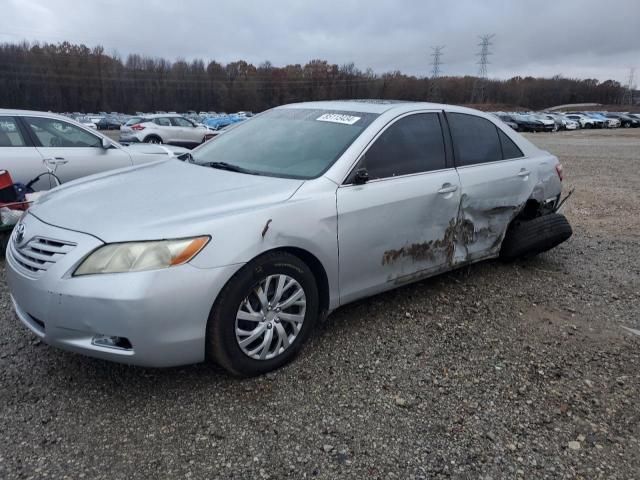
{"x": 163, "y": 313}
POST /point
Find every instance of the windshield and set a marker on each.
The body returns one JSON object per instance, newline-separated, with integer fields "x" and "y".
{"x": 289, "y": 142}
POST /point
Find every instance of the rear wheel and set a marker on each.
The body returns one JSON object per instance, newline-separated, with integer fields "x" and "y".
{"x": 263, "y": 316}
{"x": 531, "y": 237}
{"x": 153, "y": 139}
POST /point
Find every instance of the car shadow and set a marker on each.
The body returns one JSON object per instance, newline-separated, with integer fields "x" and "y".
{"x": 118, "y": 379}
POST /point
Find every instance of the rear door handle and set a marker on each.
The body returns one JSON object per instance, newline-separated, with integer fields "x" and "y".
{"x": 524, "y": 173}
{"x": 447, "y": 189}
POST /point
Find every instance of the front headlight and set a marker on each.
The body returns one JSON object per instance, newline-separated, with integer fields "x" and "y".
{"x": 141, "y": 256}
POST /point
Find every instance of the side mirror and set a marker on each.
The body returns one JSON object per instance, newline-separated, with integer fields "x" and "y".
{"x": 361, "y": 176}
{"x": 106, "y": 143}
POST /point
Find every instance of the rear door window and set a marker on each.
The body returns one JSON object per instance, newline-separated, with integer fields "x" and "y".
{"x": 162, "y": 121}
{"x": 475, "y": 139}
{"x": 413, "y": 144}
{"x": 10, "y": 135}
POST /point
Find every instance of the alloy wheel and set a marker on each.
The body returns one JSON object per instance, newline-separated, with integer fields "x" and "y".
{"x": 270, "y": 317}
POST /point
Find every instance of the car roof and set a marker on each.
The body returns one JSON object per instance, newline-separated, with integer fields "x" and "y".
{"x": 160, "y": 115}
{"x": 378, "y": 106}
{"x": 9, "y": 111}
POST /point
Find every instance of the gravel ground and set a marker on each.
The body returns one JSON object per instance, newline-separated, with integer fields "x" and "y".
{"x": 492, "y": 371}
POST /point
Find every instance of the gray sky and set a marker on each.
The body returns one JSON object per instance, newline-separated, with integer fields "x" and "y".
{"x": 575, "y": 38}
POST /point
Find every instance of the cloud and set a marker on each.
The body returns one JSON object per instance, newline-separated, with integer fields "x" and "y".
{"x": 578, "y": 38}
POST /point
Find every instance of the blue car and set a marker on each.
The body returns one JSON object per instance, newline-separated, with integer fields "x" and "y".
{"x": 222, "y": 121}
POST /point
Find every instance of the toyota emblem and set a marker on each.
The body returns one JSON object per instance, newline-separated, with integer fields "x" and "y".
{"x": 19, "y": 233}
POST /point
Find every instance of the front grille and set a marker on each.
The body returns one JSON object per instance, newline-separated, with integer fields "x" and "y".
{"x": 39, "y": 253}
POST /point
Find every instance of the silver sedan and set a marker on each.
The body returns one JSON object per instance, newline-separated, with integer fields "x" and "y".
{"x": 235, "y": 252}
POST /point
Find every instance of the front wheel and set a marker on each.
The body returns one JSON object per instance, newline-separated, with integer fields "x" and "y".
{"x": 263, "y": 316}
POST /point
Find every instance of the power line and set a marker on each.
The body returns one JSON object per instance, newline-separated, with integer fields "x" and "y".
{"x": 627, "y": 97}
{"x": 436, "y": 62}
{"x": 478, "y": 94}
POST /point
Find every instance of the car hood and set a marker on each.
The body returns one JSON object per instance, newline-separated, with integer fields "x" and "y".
{"x": 157, "y": 200}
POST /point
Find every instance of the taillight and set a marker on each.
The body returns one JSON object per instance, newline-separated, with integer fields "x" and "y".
{"x": 137, "y": 127}
{"x": 560, "y": 171}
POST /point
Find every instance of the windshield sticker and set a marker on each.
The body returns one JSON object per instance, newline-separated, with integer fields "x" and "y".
{"x": 338, "y": 118}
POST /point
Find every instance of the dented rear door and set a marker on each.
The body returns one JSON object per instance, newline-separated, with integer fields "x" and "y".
{"x": 496, "y": 180}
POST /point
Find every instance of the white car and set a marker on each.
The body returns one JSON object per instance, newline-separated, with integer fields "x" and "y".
{"x": 571, "y": 124}
{"x": 583, "y": 120}
{"x": 33, "y": 142}
{"x": 548, "y": 123}
{"x": 164, "y": 128}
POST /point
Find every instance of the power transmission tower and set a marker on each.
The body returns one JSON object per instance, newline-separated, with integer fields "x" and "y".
{"x": 436, "y": 63}
{"x": 478, "y": 94}
{"x": 627, "y": 98}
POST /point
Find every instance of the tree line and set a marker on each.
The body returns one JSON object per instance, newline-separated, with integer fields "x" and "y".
{"x": 68, "y": 77}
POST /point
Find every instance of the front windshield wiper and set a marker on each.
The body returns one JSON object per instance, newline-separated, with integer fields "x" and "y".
{"x": 230, "y": 167}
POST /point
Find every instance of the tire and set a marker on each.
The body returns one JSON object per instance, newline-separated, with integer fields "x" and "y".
{"x": 626, "y": 125}
{"x": 223, "y": 342}
{"x": 4, "y": 242}
{"x": 531, "y": 237}
{"x": 153, "y": 139}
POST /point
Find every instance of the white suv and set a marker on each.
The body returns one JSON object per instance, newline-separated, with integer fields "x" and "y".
{"x": 164, "y": 128}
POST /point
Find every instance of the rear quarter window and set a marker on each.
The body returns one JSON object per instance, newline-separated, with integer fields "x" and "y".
{"x": 509, "y": 148}
{"x": 134, "y": 120}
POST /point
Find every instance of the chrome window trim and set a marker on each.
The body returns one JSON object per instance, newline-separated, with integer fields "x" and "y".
{"x": 377, "y": 180}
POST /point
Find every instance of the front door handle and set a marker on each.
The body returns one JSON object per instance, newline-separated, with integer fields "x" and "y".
{"x": 55, "y": 161}
{"x": 447, "y": 188}
{"x": 524, "y": 173}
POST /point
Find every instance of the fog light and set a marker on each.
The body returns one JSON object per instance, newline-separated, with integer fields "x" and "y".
{"x": 111, "y": 342}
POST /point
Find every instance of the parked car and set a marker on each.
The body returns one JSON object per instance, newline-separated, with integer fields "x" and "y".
{"x": 221, "y": 121}
{"x": 561, "y": 122}
{"x": 571, "y": 124}
{"x": 232, "y": 254}
{"x": 583, "y": 120}
{"x": 600, "y": 121}
{"x": 109, "y": 122}
{"x": 164, "y": 128}
{"x": 29, "y": 140}
{"x": 549, "y": 124}
{"x": 626, "y": 121}
{"x": 85, "y": 121}
{"x": 607, "y": 122}
{"x": 527, "y": 123}
{"x": 507, "y": 120}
